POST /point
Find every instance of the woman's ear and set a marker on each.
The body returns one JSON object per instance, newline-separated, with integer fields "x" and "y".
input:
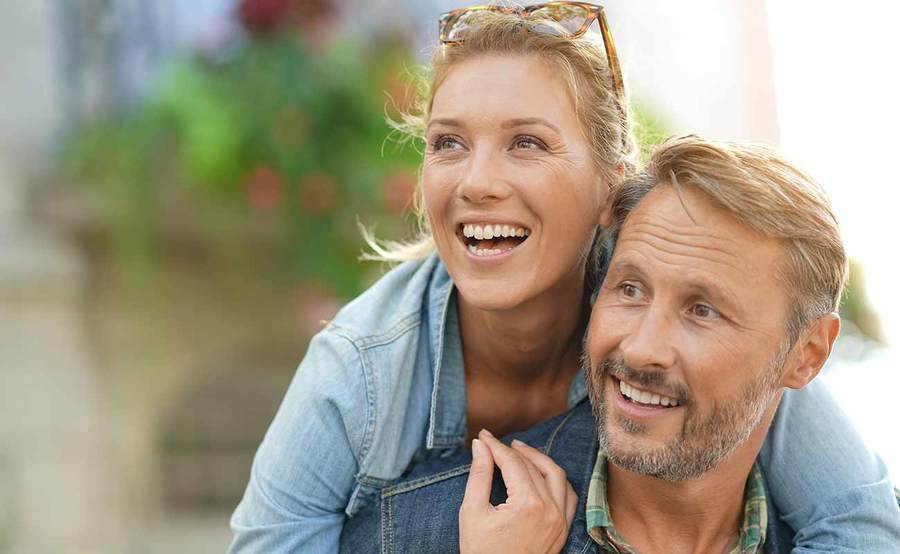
{"x": 605, "y": 219}
{"x": 608, "y": 186}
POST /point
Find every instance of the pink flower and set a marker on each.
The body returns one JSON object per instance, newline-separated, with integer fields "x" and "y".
{"x": 265, "y": 188}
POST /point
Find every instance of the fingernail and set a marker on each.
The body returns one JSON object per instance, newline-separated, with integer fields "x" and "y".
{"x": 476, "y": 448}
{"x": 517, "y": 442}
{"x": 488, "y": 433}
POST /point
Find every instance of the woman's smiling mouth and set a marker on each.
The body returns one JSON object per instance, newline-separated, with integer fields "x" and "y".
{"x": 492, "y": 239}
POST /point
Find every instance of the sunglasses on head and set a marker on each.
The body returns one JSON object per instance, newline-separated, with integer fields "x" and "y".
{"x": 566, "y": 19}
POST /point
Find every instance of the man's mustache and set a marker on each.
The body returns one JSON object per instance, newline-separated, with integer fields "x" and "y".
{"x": 658, "y": 381}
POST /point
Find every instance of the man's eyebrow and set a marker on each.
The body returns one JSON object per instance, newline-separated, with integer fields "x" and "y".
{"x": 715, "y": 292}
{"x": 521, "y": 121}
{"x": 627, "y": 268}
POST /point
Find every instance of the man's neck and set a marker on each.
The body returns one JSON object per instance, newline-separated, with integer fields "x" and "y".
{"x": 700, "y": 515}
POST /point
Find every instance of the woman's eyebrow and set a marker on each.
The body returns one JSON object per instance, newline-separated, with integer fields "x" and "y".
{"x": 446, "y": 121}
{"x": 520, "y": 121}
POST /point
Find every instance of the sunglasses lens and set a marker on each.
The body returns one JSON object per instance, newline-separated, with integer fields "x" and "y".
{"x": 457, "y": 27}
{"x": 560, "y": 19}
{"x": 555, "y": 19}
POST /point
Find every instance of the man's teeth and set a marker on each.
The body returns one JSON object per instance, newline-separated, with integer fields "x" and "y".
{"x": 644, "y": 397}
{"x": 482, "y": 232}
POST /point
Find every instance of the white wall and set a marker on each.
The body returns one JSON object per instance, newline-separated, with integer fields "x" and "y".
{"x": 29, "y": 96}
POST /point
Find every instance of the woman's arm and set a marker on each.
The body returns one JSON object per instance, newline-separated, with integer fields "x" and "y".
{"x": 826, "y": 484}
{"x": 303, "y": 473}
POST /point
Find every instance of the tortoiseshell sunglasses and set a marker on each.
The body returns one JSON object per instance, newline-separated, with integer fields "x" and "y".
{"x": 572, "y": 20}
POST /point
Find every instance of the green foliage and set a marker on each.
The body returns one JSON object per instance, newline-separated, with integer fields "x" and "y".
{"x": 649, "y": 128}
{"x": 282, "y": 130}
{"x": 855, "y": 305}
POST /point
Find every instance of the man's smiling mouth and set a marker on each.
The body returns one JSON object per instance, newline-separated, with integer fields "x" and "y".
{"x": 483, "y": 239}
{"x": 645, "y": 398}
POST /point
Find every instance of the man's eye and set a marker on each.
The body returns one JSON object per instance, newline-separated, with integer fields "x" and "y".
{"x": 704, "y": 312}
{"x": 630, "y": 291}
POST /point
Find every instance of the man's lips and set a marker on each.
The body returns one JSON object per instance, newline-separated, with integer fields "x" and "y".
{"x": 635, "y": 408}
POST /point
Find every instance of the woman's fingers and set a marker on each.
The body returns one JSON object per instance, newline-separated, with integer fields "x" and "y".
{"x": 481, "y": 476}
{"x": 553, "y": 475}
{"x": 540, "y": 503}
{"x": 512, "y": 466}
{"x": 540, "y": 484}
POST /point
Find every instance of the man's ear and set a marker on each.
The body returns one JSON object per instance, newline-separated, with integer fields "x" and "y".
{"x": 812, "y": 351}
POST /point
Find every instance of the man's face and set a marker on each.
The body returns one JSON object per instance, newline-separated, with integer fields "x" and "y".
{"x": 687, "y": 339}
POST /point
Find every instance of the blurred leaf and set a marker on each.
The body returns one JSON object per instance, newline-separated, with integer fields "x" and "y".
{"x": 279, "y": 127}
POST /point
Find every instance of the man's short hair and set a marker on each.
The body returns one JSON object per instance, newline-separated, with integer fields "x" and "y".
{"x": 764, "y": 191}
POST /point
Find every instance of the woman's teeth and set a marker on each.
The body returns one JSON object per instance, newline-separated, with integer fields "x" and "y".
{"x": 485, "y": 251}
{"x": 482, "y": 232}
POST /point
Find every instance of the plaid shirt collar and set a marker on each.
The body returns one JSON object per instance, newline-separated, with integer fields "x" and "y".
{"x": 751, "y": 535}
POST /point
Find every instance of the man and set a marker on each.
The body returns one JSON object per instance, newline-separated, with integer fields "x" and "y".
{"x": 721, "y": 293}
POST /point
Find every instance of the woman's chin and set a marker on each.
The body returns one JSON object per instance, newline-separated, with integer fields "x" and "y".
{"x": 491, "y": 296}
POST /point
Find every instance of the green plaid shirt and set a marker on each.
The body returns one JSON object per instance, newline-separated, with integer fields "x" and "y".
{"x": 751, "y": 535}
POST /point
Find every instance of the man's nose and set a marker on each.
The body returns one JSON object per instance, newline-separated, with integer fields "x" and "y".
{"x": 483, "y": 180}
{"x": 649, "y": 343}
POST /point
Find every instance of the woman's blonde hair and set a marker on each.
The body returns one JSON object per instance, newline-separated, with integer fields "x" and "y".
{"x": 581, "y": 63}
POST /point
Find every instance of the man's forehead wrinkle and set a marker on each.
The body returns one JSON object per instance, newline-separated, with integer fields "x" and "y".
{"x": 667, "y": 242}
{"x": 673, "y": 231}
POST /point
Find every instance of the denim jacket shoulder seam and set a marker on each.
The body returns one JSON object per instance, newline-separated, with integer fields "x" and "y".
{"x": 368, "y": 386}
{"x": 364, "y": 342}
{"x": 552, "y": 438}
{"x": 371, "y": 414}
{"x": 401, "y": 488}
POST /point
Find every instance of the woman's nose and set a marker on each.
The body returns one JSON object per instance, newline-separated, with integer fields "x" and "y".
{"x": 483, "y": 180}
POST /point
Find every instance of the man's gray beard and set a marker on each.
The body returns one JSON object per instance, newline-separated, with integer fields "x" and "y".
{"x": 703, "y": 443}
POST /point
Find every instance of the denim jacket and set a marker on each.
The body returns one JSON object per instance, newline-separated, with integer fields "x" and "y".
{"x": 382, "y": 388}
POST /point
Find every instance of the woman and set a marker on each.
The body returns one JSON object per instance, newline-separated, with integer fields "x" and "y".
{"x": 525, "y": 134}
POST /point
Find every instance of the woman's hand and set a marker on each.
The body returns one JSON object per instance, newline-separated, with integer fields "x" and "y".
{"x": 539, "y": 507}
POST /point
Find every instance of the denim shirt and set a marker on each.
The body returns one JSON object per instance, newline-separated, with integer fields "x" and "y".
{"x": 382, "y": 388}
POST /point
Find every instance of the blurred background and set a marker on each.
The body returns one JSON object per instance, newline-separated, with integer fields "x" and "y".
{"x": 180, "y": 186}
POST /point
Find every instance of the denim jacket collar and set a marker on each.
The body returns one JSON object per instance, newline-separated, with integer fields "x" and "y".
{"x": 447, "y": 425}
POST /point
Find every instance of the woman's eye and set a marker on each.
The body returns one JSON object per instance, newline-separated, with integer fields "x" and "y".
{"x": 444, "y": 142}
{"x": 704, "y": 312}
{"x": 528, "y": 143}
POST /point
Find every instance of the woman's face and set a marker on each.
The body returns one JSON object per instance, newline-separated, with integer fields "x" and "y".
{"x": 511, "y": 190}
